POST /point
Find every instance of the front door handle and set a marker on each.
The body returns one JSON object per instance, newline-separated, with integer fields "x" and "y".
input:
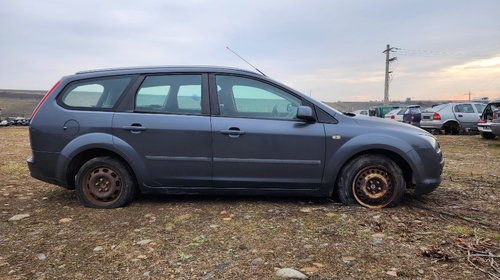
{"x": 232, "y": 132}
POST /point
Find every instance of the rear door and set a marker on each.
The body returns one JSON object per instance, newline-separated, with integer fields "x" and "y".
{"x": 257, "y": 140}
{"x": 466, "y": 115}
{"x": 170, "y": 129}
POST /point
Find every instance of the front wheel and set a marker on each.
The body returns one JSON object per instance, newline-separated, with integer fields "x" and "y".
{"x": 373, "y": 181}
{"x": 104, "y": 182}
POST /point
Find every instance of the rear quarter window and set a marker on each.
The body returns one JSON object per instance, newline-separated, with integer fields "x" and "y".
{"x": 100, "y": 93}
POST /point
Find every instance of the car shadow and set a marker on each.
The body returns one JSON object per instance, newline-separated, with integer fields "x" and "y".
{"x": 231, "y": 199}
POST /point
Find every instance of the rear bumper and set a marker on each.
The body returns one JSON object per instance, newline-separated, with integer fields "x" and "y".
{"x": 44, "y": 168}
{"x": 430, "y": 124}
{"x": 484, "y": 127}
{"x": 495, "y": 128}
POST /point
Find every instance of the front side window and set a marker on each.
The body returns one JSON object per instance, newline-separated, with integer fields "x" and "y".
{"x": 180, "y": 94}
{"x": 98, "y": 93}
{"x": 244, "y": 97}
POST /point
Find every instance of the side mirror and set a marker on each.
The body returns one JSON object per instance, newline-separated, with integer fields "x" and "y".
{"x": 305, "y": 113}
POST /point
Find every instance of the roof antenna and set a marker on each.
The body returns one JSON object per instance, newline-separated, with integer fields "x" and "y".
{"x": 246, "y": 61}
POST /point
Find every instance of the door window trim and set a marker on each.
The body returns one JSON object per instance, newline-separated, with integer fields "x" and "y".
{"x": 205, "y": 103}
{"x": 214, "y": 98}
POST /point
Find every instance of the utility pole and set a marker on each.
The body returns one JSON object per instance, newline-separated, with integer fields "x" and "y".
{"x": 388, "y": 60}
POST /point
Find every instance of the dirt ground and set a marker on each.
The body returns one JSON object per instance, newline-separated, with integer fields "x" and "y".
{"x": 452, "y": 233}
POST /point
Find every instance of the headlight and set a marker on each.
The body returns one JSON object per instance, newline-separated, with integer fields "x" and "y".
{"x": 432, "y": 140}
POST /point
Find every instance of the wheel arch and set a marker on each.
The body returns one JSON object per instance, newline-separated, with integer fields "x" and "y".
{"x": 92, "y": 145}
{"x": 398, "y": 159}
{"x": 83, "y": 156}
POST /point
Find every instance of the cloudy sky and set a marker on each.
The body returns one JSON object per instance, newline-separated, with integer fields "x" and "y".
{"x": 330, "y": 49}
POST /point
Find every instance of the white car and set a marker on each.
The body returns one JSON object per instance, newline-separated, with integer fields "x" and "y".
{"x": 396, "y": 114}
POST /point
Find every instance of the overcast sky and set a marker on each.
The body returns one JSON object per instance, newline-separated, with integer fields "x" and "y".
{"x": 330, "y": 49}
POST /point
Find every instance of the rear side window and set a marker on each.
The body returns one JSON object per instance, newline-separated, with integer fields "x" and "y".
{"x": 480, "y": 107}
{"x": 180, "y": 94}
{"x": 97, "y": 93}
{"x": 464, "y": 108}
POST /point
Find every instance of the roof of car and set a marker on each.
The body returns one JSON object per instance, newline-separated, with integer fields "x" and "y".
{"x": 170, "y": 68}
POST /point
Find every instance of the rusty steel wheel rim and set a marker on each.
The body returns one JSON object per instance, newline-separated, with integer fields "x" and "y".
{"x": 374, "y": 187}
{"x": 102, "y": 185}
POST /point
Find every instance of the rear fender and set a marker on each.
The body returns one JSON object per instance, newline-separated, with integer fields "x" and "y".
{"x": 104, "y": 141}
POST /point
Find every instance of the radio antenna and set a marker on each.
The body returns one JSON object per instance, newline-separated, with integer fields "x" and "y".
{"x": 246, "y": 61}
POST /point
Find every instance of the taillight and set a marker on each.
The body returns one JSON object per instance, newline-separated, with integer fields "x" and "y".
{"x": 436, "y": 117}
{"x": 482, "y": 121}
{"x": 494, "y": 116}
{"x": 43, "y": 100}
{"x": 412, "y": 118}
{"x": 392, "y": 117}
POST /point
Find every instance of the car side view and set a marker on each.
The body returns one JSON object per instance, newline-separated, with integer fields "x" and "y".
{"x": 452, "y": 117}
{"x": 109, "y": 134}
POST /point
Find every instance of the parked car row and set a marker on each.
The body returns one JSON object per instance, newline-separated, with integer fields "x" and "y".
{"x": 447, "y": 118}
{"x": 407, "y": 113}
{"x": 18, "y": 121}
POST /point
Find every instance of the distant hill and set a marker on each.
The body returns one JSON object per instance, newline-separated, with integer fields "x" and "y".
{"x": 19, "y": 103}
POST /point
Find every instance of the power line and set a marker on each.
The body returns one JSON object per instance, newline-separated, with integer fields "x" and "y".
{"x": 435, "y": 53}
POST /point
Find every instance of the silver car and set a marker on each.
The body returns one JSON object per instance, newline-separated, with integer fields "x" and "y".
{"x": 452, "y": 117}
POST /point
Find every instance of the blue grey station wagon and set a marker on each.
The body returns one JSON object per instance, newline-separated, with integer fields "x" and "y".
{"x": 109, "y": 134}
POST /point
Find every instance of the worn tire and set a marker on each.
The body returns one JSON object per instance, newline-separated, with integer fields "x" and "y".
{"x": 487, "y": 135}
{"x": 105, "y": 182}
{"x": 373, "y": 181}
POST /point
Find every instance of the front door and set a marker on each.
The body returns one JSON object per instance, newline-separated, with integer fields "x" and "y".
{"x": 258, "y": 140}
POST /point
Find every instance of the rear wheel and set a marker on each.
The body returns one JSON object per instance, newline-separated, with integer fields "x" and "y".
{"x": 451, "y": 128}
{"x": 374, "y": 181}
{"x": 104, "y": 182}
{"x": 487, "y": 135}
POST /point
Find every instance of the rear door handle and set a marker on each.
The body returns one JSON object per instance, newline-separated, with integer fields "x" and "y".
{"x": 232, "y": 132}
{"x": 460, "y": 116}
{"x": 134, "y": 128}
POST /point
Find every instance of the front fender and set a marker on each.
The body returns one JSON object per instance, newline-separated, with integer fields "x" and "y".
{"x": 339, "y": 153}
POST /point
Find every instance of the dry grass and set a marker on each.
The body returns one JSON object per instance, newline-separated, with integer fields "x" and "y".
{"x": 222, "y": 237}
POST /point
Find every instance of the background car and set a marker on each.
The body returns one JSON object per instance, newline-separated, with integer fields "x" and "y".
{"x": 392, "y": 115}
{"x": 486, "y": 118}
{"x": 495, "y": 123}
{"x": 380, "y": 111}
{"x": 452, "y": 117}
{"x": 412, "y": 115}
{"x": 361, "y": 112}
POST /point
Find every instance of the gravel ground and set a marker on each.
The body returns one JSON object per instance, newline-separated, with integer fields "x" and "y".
{"x": 453, "y": 233}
